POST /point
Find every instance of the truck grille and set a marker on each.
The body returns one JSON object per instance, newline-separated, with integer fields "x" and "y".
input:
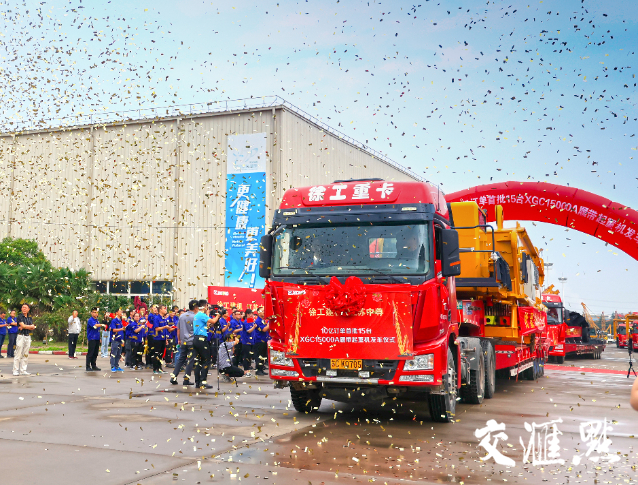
{"x": 379, "y": 369}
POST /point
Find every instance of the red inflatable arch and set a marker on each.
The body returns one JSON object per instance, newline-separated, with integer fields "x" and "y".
{"x": 577, "y": 209}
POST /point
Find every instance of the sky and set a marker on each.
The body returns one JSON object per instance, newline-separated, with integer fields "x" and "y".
{"x": 462, "y": 92}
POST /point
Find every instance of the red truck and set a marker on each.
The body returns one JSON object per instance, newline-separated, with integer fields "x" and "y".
{"x": 567, "y": 332}
{"x": 374, "y": 292}
{"x": 629, "y": 322}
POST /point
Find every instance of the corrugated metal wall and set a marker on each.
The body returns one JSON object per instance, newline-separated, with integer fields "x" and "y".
{"x": 146, "y": 200}
{"x": 312, "y": 156}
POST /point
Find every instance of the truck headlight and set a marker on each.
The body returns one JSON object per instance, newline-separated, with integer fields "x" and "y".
{"x": 420, "y": 362}
{"x": 279, "y": 358}
{"x": 284, "y": 373}
{"x": 417, "y": 378}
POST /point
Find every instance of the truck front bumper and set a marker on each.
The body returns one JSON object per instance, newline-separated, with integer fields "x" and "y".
{"x": 374, "y": 372}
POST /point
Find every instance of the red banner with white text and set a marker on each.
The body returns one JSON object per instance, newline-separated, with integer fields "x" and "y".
{"x": 229, "y": 297}
{"x": 380, "y": 329}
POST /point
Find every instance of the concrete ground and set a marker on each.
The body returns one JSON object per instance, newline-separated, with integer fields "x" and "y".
{"x": 64, "y": 425}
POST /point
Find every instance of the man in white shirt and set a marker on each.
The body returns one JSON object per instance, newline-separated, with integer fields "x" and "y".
{"x": 74, "y": 332}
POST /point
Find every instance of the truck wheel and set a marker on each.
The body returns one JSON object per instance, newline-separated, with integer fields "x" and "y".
{"x": 617, "y": 343}
{"x": 560, "y": 359}
{"x": 474, "y": 391}
{"x": 306, "y": 401}
{"x": 443, "y": 406}
{"x": 490, "y": 369}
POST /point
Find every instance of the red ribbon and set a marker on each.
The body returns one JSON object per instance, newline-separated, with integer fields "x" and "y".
{"x": 347, "y": 299}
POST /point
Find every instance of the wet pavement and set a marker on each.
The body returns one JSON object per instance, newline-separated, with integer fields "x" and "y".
{"x": 67, "y": 426}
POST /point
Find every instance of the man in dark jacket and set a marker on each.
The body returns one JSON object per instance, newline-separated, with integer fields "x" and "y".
{"x": 93, "y": 327}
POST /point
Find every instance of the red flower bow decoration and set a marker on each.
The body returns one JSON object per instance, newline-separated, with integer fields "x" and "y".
{"x": 347, "y": 299}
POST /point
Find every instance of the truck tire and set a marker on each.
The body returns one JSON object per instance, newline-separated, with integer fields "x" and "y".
{"x": 443, "y": 406}
{"x": 617, "y": 343}
{"x": 560, "y": 359}
{"x": 306, "y": 401}
{"x": 473, "y": 392}
{"x": 490, "y": 369}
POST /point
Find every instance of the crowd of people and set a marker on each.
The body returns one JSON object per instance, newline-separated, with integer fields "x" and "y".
{"x": 195, "y": 340}
{"x": 18, "y": 329}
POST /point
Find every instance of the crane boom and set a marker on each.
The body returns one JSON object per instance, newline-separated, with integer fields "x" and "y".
{"x": 588, "y": 317}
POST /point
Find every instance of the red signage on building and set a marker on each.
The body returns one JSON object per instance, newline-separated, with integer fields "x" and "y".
{"x": 229, "y": 297}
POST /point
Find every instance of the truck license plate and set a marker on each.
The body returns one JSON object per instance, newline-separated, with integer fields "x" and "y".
{"x": 345, "y": 364}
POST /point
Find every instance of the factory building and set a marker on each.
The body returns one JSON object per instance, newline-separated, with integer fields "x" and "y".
{"x": 170, "y": 201}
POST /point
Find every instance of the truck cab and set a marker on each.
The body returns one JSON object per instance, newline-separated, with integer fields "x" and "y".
{"x": 362, "y": 297}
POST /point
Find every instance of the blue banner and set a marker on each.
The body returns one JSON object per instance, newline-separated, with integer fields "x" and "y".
{"x": 245, "y": 209}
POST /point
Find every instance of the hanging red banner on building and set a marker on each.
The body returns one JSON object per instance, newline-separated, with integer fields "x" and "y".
{"x": 381, "y": 329}
{"x": 531, "y": 320}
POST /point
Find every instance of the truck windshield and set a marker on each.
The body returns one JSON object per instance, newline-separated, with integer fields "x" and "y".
{"x": 621, "y": 330}
{"x": 347, "y": 250}
{"x": 554, "y": 313}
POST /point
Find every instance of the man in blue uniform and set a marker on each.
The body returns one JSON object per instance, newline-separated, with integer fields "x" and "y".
{"x": 171, "y": 338}
{"x": 149, "y": 335}
{"x": 236, "y": 328}
{"x": 117, "y": 331}
{"x": 158, "y": 334}
{"x": 146, "y": 346}
{"x": 93, "y": 336}
{"x": 143, "y": 331}
{"x": 3, "y": 330}
{"x": 128, "y": 343}
{"x": 248, "y": 339}
{"x": 12, "y": 333}
{"x": 132, "y": 334}
{"x": 261, "y": 341}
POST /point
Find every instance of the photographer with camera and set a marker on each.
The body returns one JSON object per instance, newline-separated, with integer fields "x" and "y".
{"x": 185, "y": 339}
{"x": 218, "y": 331}
{"x": 201, "y": 347}
{"x": 224, "y": 364}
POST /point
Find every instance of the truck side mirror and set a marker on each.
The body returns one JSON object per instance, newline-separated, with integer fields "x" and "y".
{"x": 450, "y": 256}
{"x": 265, "y": 256}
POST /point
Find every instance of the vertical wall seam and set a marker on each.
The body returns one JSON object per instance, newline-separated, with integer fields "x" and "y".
{"x": 12, "y": 183}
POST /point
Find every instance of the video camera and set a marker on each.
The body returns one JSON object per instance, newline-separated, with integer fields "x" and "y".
{"x": 216, "y": 310}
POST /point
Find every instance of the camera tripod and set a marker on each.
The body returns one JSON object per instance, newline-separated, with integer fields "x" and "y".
{"x": 630, "y": 348}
